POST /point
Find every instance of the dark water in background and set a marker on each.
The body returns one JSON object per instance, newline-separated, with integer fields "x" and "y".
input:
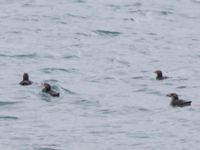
{"x": 100, "y": 55}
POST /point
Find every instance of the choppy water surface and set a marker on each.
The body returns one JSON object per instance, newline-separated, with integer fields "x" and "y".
{"x": 100, "y": 55}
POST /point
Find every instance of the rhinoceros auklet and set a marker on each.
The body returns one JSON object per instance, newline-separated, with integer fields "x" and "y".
{"x": 47, "y": 89}
{"x": 160, "y": 75}
{"x": 25, "y": 80}
{"x": 176, "y": 102}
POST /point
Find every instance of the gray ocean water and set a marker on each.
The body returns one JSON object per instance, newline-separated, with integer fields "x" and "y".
{"x": 100, "y": 55}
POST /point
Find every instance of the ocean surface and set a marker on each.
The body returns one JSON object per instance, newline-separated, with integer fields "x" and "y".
{"x": 100, "y": 55}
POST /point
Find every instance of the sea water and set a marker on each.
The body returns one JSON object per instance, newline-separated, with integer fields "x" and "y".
{"x": 100, "y": 55}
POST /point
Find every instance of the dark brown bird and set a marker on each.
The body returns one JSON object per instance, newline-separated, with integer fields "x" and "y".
{"x": 160, "y": 75}
{"x": 25, "y": 80}
{"x": 176, "y": 102}
{"x": 47, "y": 89}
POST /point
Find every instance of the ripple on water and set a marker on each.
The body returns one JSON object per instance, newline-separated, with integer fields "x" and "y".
{"x": 165, "y": 13}
{"x": 135, "y": 108}
{"x": 83, "y": 34}
{"x": 47, "y": 98}
{"x": 144, "y": 89}
{"x": 122, "y": 62}
{"x": 84, "y": 102}
{"x": 8, "y": 118}
{"x": 107, "y": 111}
{"x": 136, "y": 4}
{"x": 76, "y": 16}
{"x": 154, "y": 92}
{"x": 181, "y": 87}
{"x": 70, "y": 57}
{"x": 20, "y": 56}
{"x": 196, "y": 1}
{"x": 137, "y": 77}
{"x": 106, "y": 33}
{"x": 3, "y": 103}
{"x": 113, "y": 7}
{"x": 109, "y": 78}
{"x": 139, "y": 134}
{"x": 79, "y": 1}
{"x": 69, "y": 91}
{"x": 46, "y": 148}
{"x": 50, "y": 70}
{"x": 139, "y": 12}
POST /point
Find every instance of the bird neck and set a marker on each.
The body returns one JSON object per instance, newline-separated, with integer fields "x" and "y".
{"x": 159, "y": 75}
{"x": 175, "y": 98}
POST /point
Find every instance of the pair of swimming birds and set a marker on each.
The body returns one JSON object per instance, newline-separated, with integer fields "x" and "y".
{"x": 46, "y": 87}
{"x": 175, "y": 101}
